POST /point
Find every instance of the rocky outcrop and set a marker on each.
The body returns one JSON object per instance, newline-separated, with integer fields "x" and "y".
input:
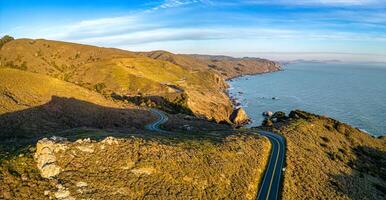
{"x": 239, "y": 117}
{"x": 45, "y": 156}
{"x": 270, "y": 119}
{"x": 279, "y": 116}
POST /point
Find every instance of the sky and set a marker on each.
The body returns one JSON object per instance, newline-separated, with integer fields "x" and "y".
{"x": 348, "y": 30}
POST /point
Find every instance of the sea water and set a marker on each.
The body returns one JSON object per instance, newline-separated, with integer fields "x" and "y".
{"x": 349, "y": 92}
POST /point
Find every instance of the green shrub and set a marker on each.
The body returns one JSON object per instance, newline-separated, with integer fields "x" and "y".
{"x": 99, "y": 87}
{"x": 5, "y": 39}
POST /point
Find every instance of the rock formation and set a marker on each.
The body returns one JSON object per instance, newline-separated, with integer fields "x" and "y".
{"x": 239, "y": 117}
{"x": 45, "y": 156}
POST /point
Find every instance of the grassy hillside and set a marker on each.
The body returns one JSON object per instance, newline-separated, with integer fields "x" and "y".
{"x": 212, "y": 166}
{"x": 122, "y": 73}
{"x": 33, "y": 104}
{"x": 329, "y": 159}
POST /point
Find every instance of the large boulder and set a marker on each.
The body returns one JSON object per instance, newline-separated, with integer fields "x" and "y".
{"x": 267, "y": 114}
{"x": 45, "y": 156}
{"x": 239, "y": 117}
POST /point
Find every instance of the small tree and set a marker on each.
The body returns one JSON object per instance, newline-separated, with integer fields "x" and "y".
{"x": 5, "y": 39}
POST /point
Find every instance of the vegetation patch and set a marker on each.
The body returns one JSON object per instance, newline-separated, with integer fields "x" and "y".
{"x": 137, "y": 168}
{"x": 331, "y": 160}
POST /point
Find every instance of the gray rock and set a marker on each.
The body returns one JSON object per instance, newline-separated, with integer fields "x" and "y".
{"x": 268, "y": 113}
{"x": 46, "y": 159}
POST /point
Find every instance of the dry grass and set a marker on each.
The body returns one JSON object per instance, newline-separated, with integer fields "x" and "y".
{"x": 138, "y": 168}
{"x": 122, "y": 72}
{"x": 34, "y": 105}
{"x": 20, "y": 90}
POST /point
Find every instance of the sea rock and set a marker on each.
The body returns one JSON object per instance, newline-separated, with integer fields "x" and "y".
{"x": 279, "y": 116}
{"x": 45, "y": 157}
{"x": 239, "y": 117}
{"x": 268, "y": 113}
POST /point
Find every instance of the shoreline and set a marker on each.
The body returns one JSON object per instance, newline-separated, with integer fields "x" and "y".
{"x": 234, "y": 100}
{"x": 238, "y": 100}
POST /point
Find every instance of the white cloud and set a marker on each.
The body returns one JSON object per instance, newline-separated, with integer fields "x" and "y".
{"x": 175, "y": 3}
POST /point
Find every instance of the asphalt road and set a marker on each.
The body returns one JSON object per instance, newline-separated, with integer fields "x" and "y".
{"x": 269, "y": 189}
{"x": 154, "y": 126}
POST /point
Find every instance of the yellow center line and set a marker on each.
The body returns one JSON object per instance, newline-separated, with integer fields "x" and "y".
{"x": 274, "y": 168}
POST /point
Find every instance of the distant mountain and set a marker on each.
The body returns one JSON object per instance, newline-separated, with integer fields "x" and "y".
{"x": 308, "y": 61}
{"x": 226, "y": 66}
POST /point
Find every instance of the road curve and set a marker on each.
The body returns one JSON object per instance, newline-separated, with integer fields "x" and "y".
{"x": 269, "y": 189}
{"x": 154, "y": 126}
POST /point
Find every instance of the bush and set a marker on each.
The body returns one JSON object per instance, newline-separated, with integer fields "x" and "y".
{"x": 5, "y": 39}
{"x": 99, "y": 87}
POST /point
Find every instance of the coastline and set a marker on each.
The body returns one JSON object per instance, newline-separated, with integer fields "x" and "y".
{"x": 234, "y": 100}
{"x": 292, "y": 96}
{"x": 256, "y": 73}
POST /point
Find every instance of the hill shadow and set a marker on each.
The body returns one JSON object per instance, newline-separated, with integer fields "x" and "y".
{"x": 177, "y": 103}
{"x": 74, "y": 119}
{"x": 369, "y": 171}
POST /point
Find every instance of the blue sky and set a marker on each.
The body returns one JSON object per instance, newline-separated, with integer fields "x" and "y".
{"x": 352, "y": 30}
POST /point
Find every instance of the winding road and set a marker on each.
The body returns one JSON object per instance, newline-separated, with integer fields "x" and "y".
{"x": 162, "y": 118}
{"x": 269, "y": 189}
{"x": 270, "y": 186}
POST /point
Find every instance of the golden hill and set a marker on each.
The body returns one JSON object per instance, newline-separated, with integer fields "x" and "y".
{"x": 35, "y": 104}
{"x": 123, "y": 74}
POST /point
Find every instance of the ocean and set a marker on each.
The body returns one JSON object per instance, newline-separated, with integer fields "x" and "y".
{"x": 349, "y": 92}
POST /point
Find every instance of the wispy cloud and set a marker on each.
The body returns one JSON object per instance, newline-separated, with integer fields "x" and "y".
{"x": 200, "y": 23}
{"x": 176, "y": 3}
{"x": 318, "y": 2}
